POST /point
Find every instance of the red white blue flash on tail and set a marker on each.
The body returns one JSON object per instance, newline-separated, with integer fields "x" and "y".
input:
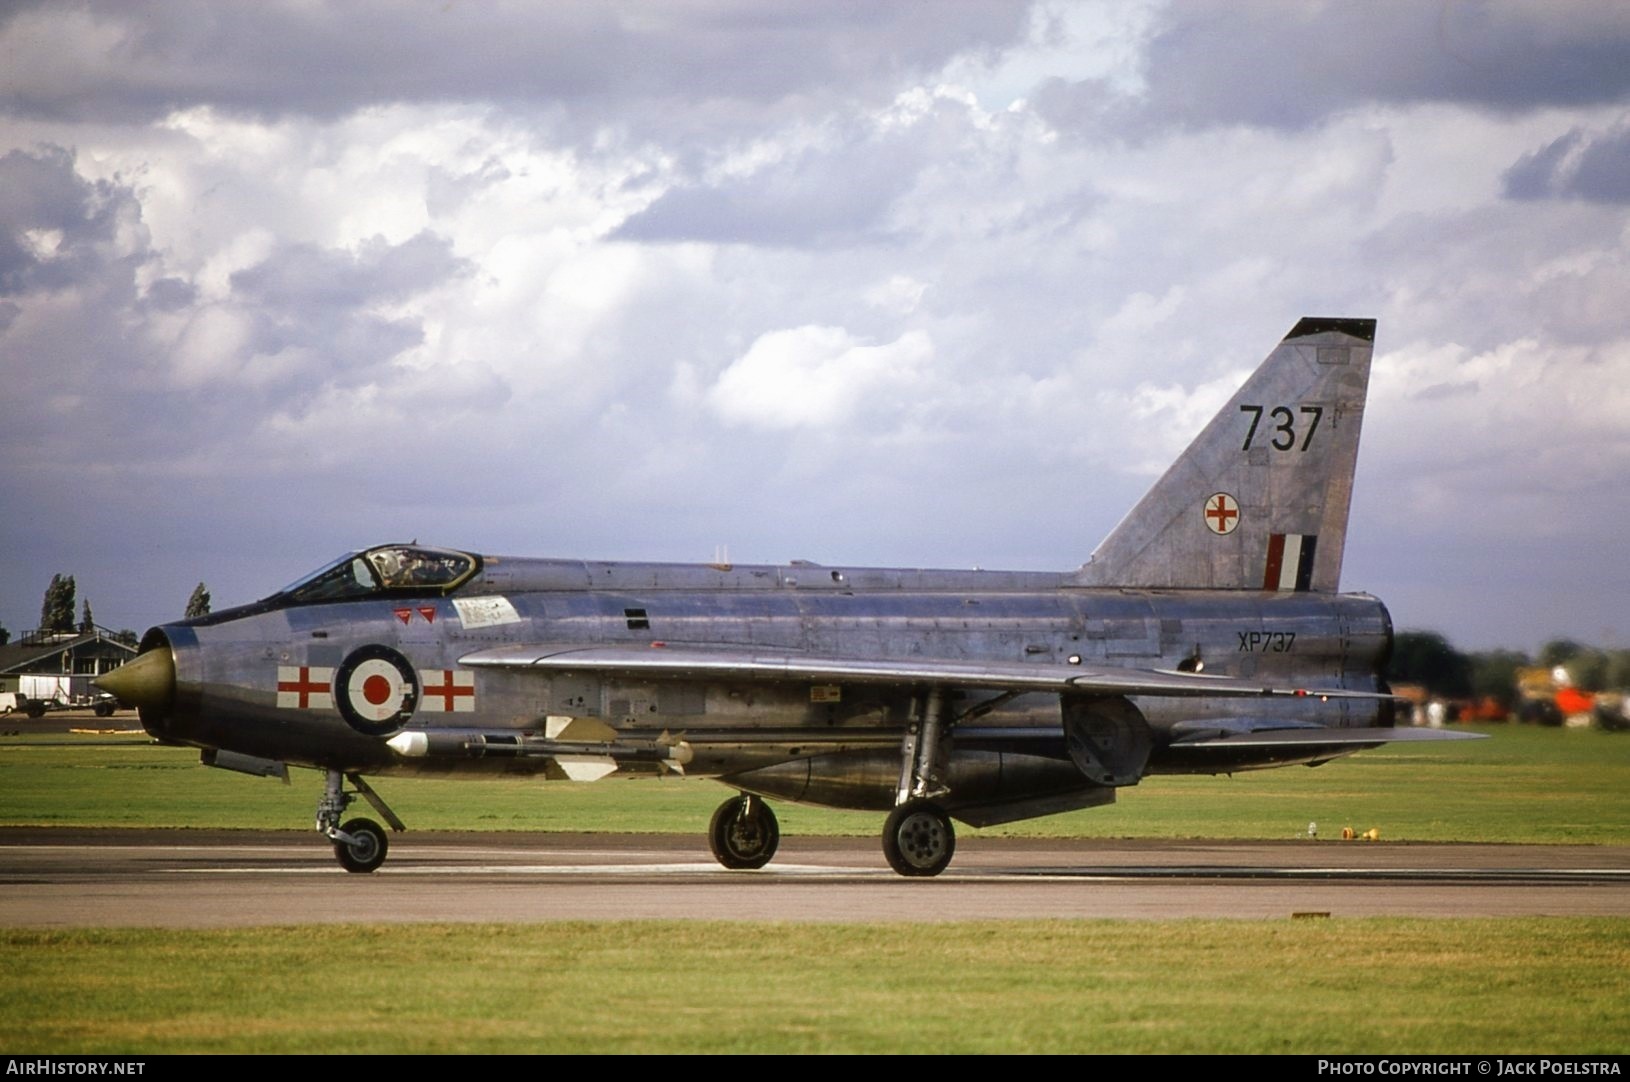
{"x": 1290, "y": 561}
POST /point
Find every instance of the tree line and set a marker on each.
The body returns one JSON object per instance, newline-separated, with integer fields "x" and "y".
{"x": 57, "y": 611}
{"x": 1426, "y": 658}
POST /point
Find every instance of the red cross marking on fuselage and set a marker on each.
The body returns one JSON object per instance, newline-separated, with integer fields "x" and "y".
{"x": 304, "y": 686}
{"x": 448, "y": 691}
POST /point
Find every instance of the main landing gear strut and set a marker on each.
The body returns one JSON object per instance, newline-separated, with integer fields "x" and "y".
{"x": 918, "y": 839}
{"x": 359, "y": 844}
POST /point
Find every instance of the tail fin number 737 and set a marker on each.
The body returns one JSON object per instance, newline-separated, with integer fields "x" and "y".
{"x": 1284, "y": 424}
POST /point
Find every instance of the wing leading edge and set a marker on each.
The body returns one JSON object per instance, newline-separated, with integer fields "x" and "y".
{"x": 681, "y": 662}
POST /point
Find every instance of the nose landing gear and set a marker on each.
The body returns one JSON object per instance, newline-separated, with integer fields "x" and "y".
{"x": 360, "y": 845}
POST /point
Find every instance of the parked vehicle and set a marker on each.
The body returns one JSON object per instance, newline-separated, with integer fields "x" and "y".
{"x": 36, "y": 706}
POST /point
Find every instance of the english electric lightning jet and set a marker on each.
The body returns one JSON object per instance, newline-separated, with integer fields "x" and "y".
{"x": 1205, "y": 635}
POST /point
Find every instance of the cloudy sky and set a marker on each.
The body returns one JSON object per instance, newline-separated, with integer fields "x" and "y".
{"x": 861, "y": 283}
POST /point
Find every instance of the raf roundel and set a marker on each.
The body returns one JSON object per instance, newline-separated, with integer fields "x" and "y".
{"x": 376, "y": 690}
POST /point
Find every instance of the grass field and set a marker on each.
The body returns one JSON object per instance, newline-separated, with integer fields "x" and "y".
{"x": 1327, "y": 986}
{"x": 1393, "y": 986}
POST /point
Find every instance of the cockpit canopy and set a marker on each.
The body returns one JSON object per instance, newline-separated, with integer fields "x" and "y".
{"x": 388, "y": 569}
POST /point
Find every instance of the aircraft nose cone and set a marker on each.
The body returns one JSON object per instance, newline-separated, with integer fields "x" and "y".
{"x": 147, "y": 682}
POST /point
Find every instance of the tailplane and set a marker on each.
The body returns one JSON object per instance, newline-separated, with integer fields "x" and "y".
{"x": 1259, "y": 500}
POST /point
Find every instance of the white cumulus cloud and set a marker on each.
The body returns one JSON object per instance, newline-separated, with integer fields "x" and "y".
{"x": 819, "y": 376}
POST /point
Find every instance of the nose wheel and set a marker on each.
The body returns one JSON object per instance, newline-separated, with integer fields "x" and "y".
{"x": 361, "y": 845}
{"x": 744, "y": 832}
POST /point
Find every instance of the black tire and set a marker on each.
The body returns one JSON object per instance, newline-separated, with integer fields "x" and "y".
{"x": 367, "y": 849}
{"x": 35, "y": 708}
{"x": 104, "y": 710}
{"x": 918, "y": 839}
{"x": 743, "y": 842}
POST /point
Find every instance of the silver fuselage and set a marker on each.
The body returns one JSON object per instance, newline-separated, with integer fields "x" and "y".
{"x": 821, "y": 743}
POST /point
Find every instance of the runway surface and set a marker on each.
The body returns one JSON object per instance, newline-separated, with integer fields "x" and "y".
{"x": 211, "y": 879}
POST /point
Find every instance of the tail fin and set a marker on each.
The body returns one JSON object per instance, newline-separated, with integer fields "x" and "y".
{"x": 1259, "y": 500}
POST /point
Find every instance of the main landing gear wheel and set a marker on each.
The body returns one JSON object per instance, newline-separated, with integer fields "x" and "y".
{"x": 743, "y": 833}
{"x": 366, "y": 849}
{"x": 918, "y": 839}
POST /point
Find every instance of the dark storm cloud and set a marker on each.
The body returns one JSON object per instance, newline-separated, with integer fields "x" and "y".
{"x": 313, "y": 326}
{"x": 1535, "y": 175}
{"x": 812, "y": 197}
{"x": 1578, "y": 165}
{"x": 1272, "y": 64}
{"x": 171, "y": 294}
{"x": 53, "y": 224}
{"x": 137, "y": 61}
{"x": 300, "y": 277}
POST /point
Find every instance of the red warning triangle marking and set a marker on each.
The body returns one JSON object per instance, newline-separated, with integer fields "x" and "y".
{"x": 404, "y": 615}
{"x": 428, "y": 612}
